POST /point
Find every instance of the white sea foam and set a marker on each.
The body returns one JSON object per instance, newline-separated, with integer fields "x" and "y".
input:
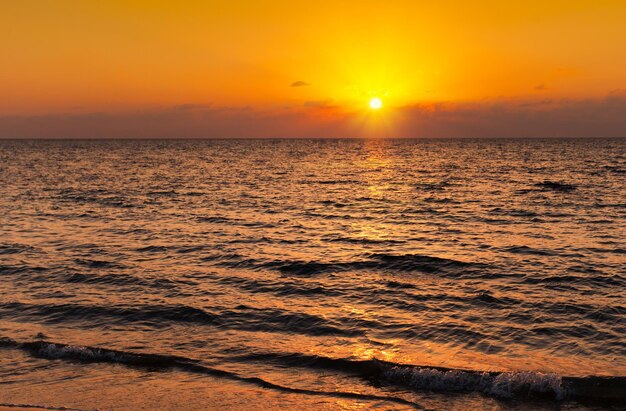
{"x": 50, "y": 350}
{"x": 502, "y": 385}
{"x": 38, "y": 407}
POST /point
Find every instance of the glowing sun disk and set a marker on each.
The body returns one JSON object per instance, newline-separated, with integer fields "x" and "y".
{"x": 376, "y": 103}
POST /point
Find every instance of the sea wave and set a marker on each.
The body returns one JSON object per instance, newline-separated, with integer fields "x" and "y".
{"x": 37, "y": 407}
{"x": 501, "y": 385}
{"x": 242, "y": 317}
{"x": 49, "y": 350}
{"x": 15, "y": 248}
{"x": 506, "y": 384}
{"x": 555, "y": 186}
{"x": 370, "y": 261}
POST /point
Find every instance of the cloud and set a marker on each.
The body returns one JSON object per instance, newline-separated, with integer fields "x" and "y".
{"x": 327, "y": 103}
{"x": 546, "y": 118}
{"x": 602, "y": 117}
{"x": 541, "y": 87}
{"x": 193, "y": 106}
{"x": 537, "y": 103}
{"x": 173, "y": 122}
{"x": 300, "y": 83}
{"x": 617, "y": 95}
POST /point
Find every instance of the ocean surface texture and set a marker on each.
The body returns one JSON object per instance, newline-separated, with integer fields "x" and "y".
{"x": 312, "y": 274}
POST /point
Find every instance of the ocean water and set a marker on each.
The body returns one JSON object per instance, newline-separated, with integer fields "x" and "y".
{"x": 313, "y": 274}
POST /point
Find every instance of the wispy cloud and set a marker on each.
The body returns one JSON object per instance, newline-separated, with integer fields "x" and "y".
{"x": 602, "y": 117}
{"x": 327, "y": 103}
{"x": 605, "y": 117}
{"x": 300, "y": 83}
{"x": 192, "y": 106}
{"x": 617, "y": 95}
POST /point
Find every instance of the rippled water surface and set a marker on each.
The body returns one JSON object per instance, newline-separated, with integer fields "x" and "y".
{"x": 313, "y": 274}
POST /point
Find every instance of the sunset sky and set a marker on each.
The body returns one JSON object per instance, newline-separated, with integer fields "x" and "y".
{"x": 309, "y": 69}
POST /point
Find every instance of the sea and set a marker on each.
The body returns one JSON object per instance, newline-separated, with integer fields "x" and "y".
{"x": 380, "y": 274}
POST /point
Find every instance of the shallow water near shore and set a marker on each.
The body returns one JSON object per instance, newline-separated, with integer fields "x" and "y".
{"x": 320, "y": 274}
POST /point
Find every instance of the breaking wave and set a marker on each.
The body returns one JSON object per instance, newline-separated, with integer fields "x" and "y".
{"x": 505, "y": 385}
{"x": 50, "y": 350}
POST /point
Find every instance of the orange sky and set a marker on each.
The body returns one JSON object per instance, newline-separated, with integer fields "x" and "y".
{"x": 226, "y": 68}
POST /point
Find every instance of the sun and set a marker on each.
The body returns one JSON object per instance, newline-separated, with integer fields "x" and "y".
{"x": 376, "y": 103}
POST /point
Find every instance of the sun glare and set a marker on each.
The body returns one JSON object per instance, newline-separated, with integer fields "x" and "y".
{"x": 376, "y": 103}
